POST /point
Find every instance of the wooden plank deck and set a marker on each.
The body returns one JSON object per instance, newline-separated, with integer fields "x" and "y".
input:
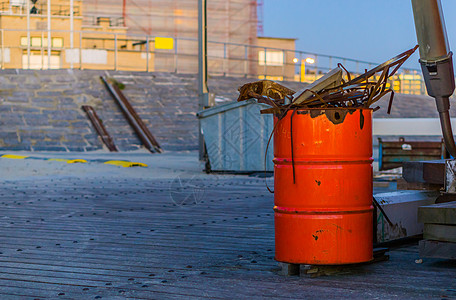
{"x": 117, "y": 238}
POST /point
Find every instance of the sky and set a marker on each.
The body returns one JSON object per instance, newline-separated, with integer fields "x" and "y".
{"x": 369, "y": 30}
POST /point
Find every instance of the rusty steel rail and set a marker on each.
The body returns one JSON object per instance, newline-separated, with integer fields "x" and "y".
{"x": 133, "y": 118}
{"x": 99, "y": 127}
{"x": 139, "y": 120}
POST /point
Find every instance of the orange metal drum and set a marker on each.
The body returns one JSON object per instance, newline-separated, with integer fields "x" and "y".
{"x": 325, "y": 217}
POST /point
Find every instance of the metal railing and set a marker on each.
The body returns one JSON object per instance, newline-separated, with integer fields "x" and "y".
{"x": 95, "y": 20}
{"x": 115, "y": 51}
{"x": 6, "y": 7}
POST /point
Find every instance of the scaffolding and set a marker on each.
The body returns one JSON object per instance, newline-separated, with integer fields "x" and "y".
{"x": 229, "y": 21}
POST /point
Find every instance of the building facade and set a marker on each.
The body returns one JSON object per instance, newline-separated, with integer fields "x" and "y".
{"x": 160, "y": 36}
{"x": 73, "y": 44}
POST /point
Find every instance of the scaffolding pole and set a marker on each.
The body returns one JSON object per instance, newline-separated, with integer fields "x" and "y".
{"x": 49, "y": 41}
{"x": 203, "y": 90}
{"x": 28, "y": 34}
{"x": 71, "y": 30}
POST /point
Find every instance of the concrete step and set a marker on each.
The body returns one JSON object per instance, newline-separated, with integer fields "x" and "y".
{"x": 439, "y": 232}
{"x": 442, "y": 213}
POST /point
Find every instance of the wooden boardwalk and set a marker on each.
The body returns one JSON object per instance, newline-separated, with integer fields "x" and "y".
{"x": 212, "y": 237}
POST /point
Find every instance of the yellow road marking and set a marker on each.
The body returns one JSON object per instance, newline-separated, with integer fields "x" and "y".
{"x": 125, "y": 164}
{"x": 12, "y": 156}
{"x": 121, "y": 163}
{"x": 74, "y": 161}
{"x": 69, "y": 161}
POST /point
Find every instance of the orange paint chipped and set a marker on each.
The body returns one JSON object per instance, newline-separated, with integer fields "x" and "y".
{"x": 326, "y": 216}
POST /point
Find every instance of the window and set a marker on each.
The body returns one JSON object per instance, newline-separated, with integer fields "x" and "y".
{"x": 273, "y": 58}
{"x": 276, "y": 78}
{"x": 24, "y": 41}
{"x": 57, "y": 42}
{"x": 18, "y": 2}
{"x": 36, "y": 41}
{"x": 38, "y": 61}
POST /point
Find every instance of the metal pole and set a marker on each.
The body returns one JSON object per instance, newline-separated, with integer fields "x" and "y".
{"x": 80, "y": 50}
{"x": 3, "y": 49}
{"x": 71, "y": 29}
{"x": 115, "y": 52}
{"x": 436, "y": 62}
{"x": 303, "y": 70}
{"x": 203, "y": 90}
{"x": 265, "y": 62}
{"x": 175, "y": 55}
{"x": 42, "y": 50}
{"x": 147, "y": 54}
{"x": 224, "y": 59}
{"x": 28, "y": 34}
{"x": 49, "y": 40}
{"x": 246, "y": 57}
{"x": 124, "y": 12}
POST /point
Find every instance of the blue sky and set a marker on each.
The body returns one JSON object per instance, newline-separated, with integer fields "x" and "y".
{"x": 370, "y": 30}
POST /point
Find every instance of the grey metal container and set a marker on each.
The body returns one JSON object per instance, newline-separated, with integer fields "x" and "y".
{"x": 236, "y": 136}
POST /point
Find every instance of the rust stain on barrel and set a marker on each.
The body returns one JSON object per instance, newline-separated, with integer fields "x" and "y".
{"x": 340, "y": 155}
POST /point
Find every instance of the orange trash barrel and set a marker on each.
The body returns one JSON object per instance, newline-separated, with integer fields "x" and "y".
{"x": 324, "y": 217}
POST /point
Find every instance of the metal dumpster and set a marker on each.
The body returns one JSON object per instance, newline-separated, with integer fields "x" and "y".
{"x": 236, "y": 136}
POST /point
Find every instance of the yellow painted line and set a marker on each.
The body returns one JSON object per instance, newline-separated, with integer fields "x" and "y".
{"x": 121, "y": 163}
{"x": 125, "y": 164}
{"x": 75, "y": 161}
{"x": 69, "y": 161}
{"x": 12, "y": 156}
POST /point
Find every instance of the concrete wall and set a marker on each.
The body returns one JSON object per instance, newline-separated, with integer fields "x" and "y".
{"x": 41, "y": 110}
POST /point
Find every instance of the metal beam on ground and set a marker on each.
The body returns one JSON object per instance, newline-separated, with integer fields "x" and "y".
{"x": 133, "y": 118}
{"x": 99, "y": 128}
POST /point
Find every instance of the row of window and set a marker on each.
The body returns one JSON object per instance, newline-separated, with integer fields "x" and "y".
{"x": 273, "y": 58}
{"x": 37, "y": 41}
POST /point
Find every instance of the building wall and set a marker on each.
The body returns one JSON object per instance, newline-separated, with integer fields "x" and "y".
{"x": 276, "y": 64}
{"x": 229, "y": 21}
{"x": 232, "y": 21}
{"x": 98, "y": 46}
{"x": 41, "y": 110}
{"x": 101, "y": 41}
